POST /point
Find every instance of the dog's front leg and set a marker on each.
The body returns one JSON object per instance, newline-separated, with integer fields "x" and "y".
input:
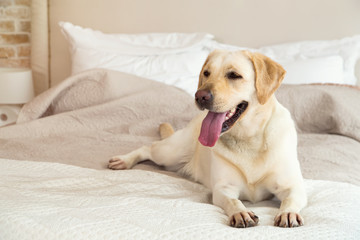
{"x": 292, "y": 201}
{"x": 226, "y": 196}
{"x": 127, "y": 161}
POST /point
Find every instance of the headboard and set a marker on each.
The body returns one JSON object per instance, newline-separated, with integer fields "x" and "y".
{"x": 248, "y": 23}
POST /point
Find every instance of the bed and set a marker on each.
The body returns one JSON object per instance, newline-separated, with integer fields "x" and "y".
{"x": 106, "y": 88}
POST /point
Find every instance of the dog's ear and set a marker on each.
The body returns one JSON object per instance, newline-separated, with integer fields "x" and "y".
{"x": 268, "y": 75}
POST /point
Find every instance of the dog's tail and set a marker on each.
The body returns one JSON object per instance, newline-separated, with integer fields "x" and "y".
{"x": 166, "y": 130}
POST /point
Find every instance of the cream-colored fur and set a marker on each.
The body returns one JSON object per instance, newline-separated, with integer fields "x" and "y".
{"x": 254, "y": 160}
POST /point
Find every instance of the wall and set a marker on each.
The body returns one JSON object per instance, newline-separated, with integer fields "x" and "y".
{"x": 15, "y": 32}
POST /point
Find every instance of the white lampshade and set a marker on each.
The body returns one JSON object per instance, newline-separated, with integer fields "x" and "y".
{"x": 16, "y": 85}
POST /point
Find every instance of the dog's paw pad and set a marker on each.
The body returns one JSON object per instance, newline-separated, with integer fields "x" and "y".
{"x": 244, "y": 219}
{"x": 117, "y": 163}
{"x": 288, "y": 220}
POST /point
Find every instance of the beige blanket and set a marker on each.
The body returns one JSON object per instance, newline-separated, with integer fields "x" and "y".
{"x": 99, "y": 113}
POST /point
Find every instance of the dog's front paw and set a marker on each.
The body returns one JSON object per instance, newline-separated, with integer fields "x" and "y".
{"x": 288, "y": 219}
{"x": 244, "y": 219}
{"x": 117, "y": 163}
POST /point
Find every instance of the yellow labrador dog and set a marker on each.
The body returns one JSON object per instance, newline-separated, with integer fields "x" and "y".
{"x": 243, "y": 147}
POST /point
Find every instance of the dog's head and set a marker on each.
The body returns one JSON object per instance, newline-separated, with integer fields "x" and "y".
{"x": 231, "y": 82}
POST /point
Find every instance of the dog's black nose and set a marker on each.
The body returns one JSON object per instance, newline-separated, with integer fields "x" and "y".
{"x": 204, "y": 99}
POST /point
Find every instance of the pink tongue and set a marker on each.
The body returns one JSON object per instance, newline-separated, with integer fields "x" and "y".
{"x": 211, "y": 128}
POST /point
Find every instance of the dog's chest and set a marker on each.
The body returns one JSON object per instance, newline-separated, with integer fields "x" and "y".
{"x": 249, "y": 157}
{"x": 253, "y": 173}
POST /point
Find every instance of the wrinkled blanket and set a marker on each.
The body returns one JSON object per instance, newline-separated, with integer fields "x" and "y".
{"x": 61, "y": 188}
{"x": 56, "y": 201}
{"x": 94, "y": 115}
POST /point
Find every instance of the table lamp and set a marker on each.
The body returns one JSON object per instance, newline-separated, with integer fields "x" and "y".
{"x": 16, "y": 88}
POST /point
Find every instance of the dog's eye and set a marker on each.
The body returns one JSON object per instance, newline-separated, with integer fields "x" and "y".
{"x": 233, "y": 75}
{"x": 206, "y": 73}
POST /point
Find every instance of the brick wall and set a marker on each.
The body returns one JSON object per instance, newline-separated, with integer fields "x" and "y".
{"x": 15, "y": 25}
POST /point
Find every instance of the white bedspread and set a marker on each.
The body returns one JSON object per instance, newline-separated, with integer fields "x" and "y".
{"x": 56, "y": 201}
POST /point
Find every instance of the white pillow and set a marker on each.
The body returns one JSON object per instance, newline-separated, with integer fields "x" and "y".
{"x": 172, "y": 58}
{"x": 177, "y": 58}
{"x": 348, "y": 49}
{"x": 314, "y": 70}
